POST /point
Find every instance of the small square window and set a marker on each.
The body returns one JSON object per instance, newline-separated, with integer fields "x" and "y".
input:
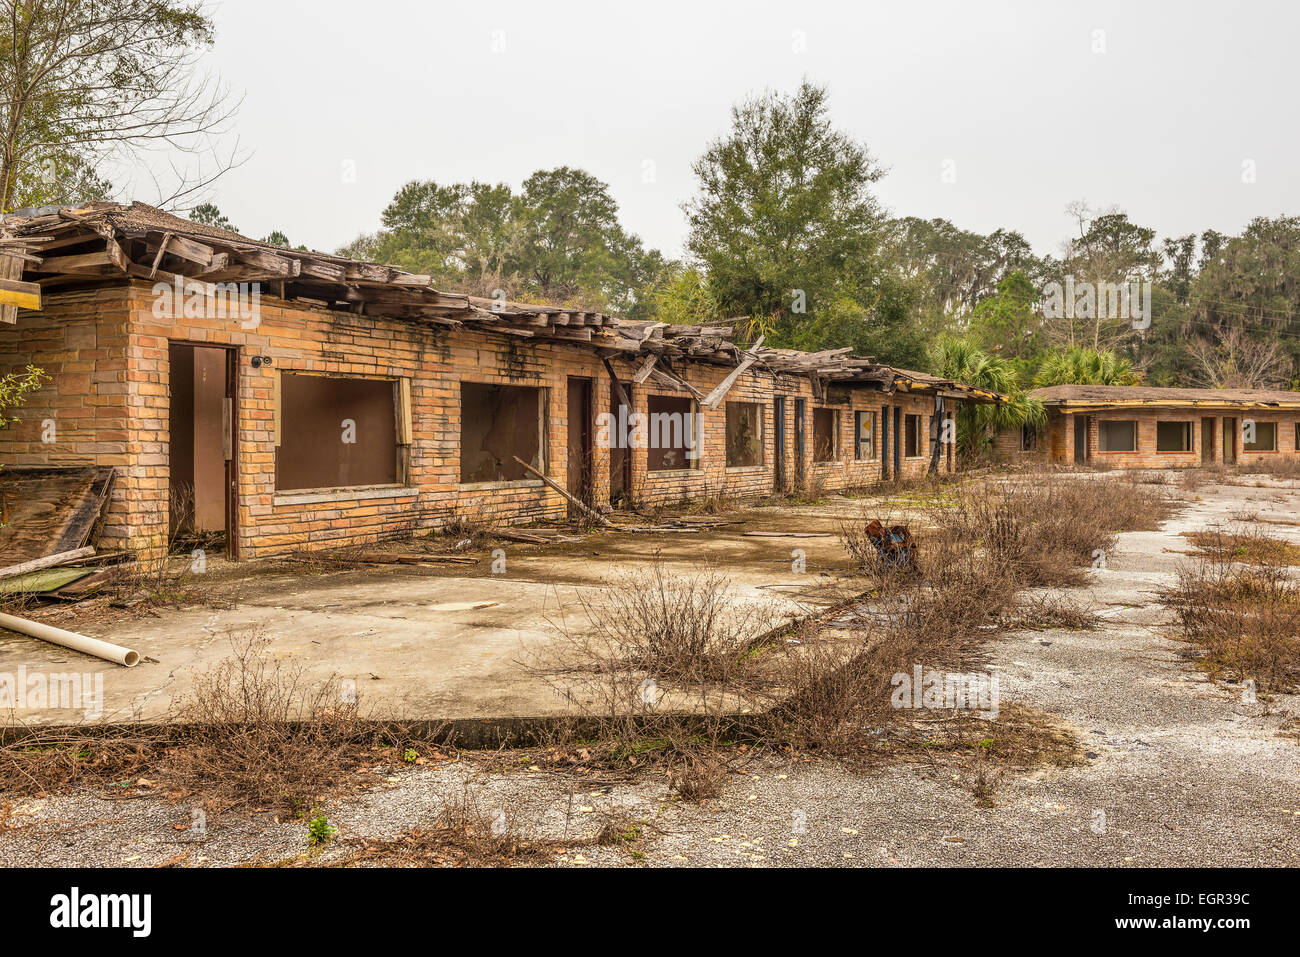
{"x": 1173, "y": 436}
{"x": 1117, "y": 435}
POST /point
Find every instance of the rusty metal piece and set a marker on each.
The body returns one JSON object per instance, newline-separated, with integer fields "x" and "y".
{"x": 895, "y": 544}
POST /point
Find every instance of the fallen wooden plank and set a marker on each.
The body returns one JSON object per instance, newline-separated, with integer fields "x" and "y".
{"x": 44, "y": 581}
{"x": 82, "y": 587}
{"x": 618, "y": 386}
{"x": 49, "y": 561}
{"x": 719, "y": 393}
{"x": 599, "y": 519}
{"x": 789, "y": 535}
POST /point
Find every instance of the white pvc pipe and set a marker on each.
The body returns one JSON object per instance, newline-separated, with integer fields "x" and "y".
{"x": 70, "y": 639}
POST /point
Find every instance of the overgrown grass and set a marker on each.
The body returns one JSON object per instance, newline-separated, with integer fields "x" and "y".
{"x": 723, "y": 676}
{"x": 1245, "y": 619}
{"x": 1244, "y": 543}
{"x": 251, "y": 733}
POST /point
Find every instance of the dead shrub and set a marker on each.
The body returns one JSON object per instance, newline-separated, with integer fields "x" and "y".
{"x": 1246, "y": 620}
{"x": 467, "y": 832}
{"x": 698, "y": 777}
{"x": 1043, "y": 612}
{"x": 253, "y": 733}
{"x": 1048, "y": 531}
{"x": 1245, "y": 543}
{"x": 45, "y": 761}
{"x": 674, "y": 628}
{"x": 811, "y": 488}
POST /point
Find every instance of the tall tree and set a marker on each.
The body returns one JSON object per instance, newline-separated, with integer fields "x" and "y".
{"x": 86, "y": 81}
{"x": 1252, "y": 285}
{"x": 784, "y": 220}
{"x": 558, "y": 240}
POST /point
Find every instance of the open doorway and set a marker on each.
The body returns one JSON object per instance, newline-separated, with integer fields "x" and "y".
{"x": 201, "y": 448}
{"x": 1080, "y": 439}
{"x": 778, "y": 445}
{"x": 620, "y": 457}
{"x": 579, "y": 475}
{"x": 1230, "y": 441}
{"x": 1207, "y": 440}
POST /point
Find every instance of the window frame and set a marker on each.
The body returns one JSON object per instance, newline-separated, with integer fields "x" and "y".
{"x": 871, "y": 443}
{"x": 761, "y": 410}
{"x": 693, "y": 409}
{"x": 1101, "y": 433}
{"x": 1189, "y": 432}
{"x": 908, "y": 418}
{"x": 1027, "y": 430}
{"x": 402, "y": 432}
{"x": 1274, "y": 431}
{"x": 835, "y": 435}
{"x": 543, "y": 455}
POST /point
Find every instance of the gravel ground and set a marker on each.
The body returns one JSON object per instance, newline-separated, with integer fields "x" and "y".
{"x": 1178, "y": 771}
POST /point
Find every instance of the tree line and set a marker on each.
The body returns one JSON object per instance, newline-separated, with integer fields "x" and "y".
{"x": 784, "y": 233}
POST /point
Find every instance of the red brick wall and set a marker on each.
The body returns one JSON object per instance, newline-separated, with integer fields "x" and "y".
{"x": 108, "y": 355}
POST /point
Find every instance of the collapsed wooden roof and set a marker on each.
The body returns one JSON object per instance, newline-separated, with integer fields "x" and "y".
{"x": 1088, "y": 398}
{"x": 64, "y": 247}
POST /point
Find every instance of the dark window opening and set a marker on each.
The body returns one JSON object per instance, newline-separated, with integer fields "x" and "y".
{"x": 824, "y": 429}
{"x": 671, "y": 433}
{"x": 1265, "y": 437}
{"x": 1173, "y": 436}
{"x": 497, "y": 424}
{"x": 336, "y": 432}
{"x": 744, "y": 434}
{"x": 1028, "y": 438}
{"x": 912, "y": 437}
{"x": 1117, "y": 436}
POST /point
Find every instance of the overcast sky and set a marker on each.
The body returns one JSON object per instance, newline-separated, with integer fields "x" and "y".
{"x": 1151, "y": 107}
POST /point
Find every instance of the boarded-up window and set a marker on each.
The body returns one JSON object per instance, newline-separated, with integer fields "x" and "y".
{"x": 1117, "y": 436}
{"x": 864, "y": 429}
{"x": 497, "y": 424}
{"x": 824, "y": 429}
{"x": 335, "y": 432}
{"x": 671, "y": 433}
{"x": 912, "y": 437}
{"x": 1173, "y": 436}
{"x": 744, "y": 434}
{"x": 1265, "y": 436}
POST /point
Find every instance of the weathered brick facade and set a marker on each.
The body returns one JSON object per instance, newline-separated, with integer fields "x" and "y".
{"x": 1207, "y": 428}
{"x": 107, "y": 355}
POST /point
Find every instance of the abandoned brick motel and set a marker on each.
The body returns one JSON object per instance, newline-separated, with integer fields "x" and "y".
{"x": 297, "y": 400}
{"x": 1143, "y": 427}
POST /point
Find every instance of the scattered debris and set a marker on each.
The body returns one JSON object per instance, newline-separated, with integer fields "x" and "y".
{"x": 50, "y": 511}
{"x": 70, "y": 639}
{"x": 895, "y": 544}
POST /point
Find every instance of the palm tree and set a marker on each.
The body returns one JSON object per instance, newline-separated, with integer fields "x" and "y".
{"x": 962, "y": 361}
{"x": 1080, "y": 366}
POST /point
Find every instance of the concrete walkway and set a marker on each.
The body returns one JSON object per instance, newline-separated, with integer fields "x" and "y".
{"x": 433, "y": 643}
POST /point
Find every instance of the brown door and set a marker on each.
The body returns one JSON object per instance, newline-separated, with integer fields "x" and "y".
{"x": 1230, "y": 441}
{"x": 579, "y": 441}
{"x": 1207, "y": 441}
